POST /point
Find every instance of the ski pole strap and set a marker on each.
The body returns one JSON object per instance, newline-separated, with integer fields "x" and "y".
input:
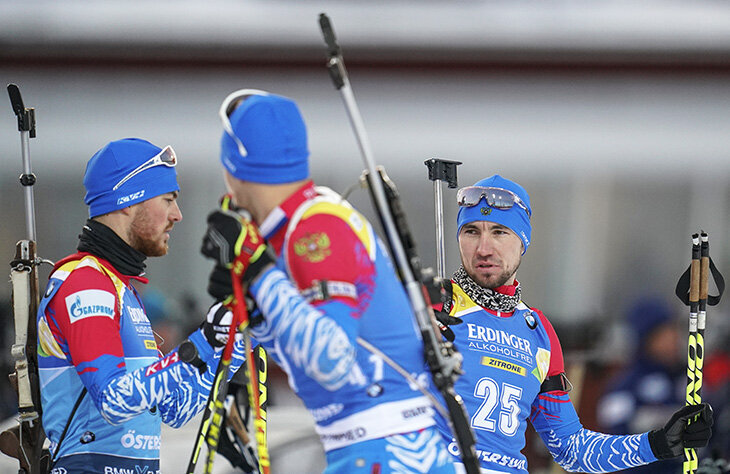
{"x": 682, "y": 289}
{"x": 68, "y": 423}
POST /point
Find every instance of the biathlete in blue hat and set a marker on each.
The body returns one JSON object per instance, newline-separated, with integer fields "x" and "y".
{"x": 105, "y": 386}
{"x": 513, "y": 362}
{"x": 325, "y": 290}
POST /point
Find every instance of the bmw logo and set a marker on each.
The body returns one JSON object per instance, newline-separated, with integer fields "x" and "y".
{"x": 530, "y": 320}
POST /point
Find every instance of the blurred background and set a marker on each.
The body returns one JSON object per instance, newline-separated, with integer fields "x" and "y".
{"x": 614, "y": 115}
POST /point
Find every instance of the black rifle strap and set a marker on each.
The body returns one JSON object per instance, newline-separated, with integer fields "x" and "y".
{"x": 68, "y": 423}
{"x": 556, "y": 382}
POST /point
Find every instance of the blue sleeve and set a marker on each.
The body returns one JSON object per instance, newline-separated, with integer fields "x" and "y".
{"x": 316, "y": 341}
{"x": 177, "y": 389}
{"x": 577, "y": 449}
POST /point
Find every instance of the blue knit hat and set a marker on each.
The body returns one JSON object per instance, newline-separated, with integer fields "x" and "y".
{"x": 128, "y": 165}
{"x": 273, "y": 141}
{"x": 514, "y": 218}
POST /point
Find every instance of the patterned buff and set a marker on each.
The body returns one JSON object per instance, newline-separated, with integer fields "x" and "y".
{"x": 484, "y": 296}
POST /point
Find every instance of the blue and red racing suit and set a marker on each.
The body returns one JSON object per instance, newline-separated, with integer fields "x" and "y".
{"x": 93, "y": 333}
{"x": 367, "y": 416}
{"x": 507, "y": 357}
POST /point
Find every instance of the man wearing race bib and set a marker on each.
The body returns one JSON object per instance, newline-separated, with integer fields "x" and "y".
{"x": 513, "y": 362}
{"x": 105, "y": 386}
{"x": 331, "y": 304}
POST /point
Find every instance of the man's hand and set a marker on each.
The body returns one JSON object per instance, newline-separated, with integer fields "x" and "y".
{"x": 440, "y": 291}
{"x": 236, "y": 243}
{"x": 444, "y": 320}
{"x": 677, "y": 434}
{"x": 217, "y": 325}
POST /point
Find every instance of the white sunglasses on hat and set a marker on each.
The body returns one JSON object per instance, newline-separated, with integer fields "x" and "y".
{"x": 166, "y": 157}
{"x": 228, "y": 106}
{"x": 498, "y": 198}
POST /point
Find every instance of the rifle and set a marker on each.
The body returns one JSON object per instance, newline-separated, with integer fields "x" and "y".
{"x": 443, "y": 361}
{"x": 25, "y": 441}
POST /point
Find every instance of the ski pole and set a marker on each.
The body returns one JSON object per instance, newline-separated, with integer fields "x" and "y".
{"x": 702, "y": 315}
{"x": 24, "y": 277}
{"x": 690, "y": 455}
{"x": 213, "y": 435}
{"x": 442, "y": 361}
{"x": 438, "y": 172}
{"x": 217, "y": 394}
{"x": 693, "y": 290}
{"x": 260, "y": 403}
{"x": 702, "y": 262}
{"x": 212, "y": 421}
{"x": 252, "y": 365}
{"x": 215, "y": 399}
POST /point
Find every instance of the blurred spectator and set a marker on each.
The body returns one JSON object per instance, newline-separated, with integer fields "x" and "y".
{"x": 652, "y": 386}
{"x": 165, "y": 320}
{"x": 716, "y": 387}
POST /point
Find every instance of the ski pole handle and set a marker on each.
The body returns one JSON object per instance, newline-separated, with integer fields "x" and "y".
{"x": 689, "y": 466}
{"x": 702, "y": 286}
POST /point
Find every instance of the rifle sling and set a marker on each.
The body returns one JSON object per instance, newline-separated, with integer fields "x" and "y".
{"x": 68, "y": 423}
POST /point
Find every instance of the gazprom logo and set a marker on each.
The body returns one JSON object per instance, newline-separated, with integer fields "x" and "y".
{"x": 89, "y": 303}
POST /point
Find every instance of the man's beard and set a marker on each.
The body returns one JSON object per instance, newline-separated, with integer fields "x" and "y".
{"x": 141, "y": 240}
{"x": 494, "y": 281}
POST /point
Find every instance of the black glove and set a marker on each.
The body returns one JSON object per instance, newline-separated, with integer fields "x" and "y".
{"x": 235, "y": 242}
{"x": 440, "y": 291}
{"x": 217, "y": 325}
{"x": 670, "y": 441}
{"x": 444, "y": 321}
{"x": 220, "y": 285}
